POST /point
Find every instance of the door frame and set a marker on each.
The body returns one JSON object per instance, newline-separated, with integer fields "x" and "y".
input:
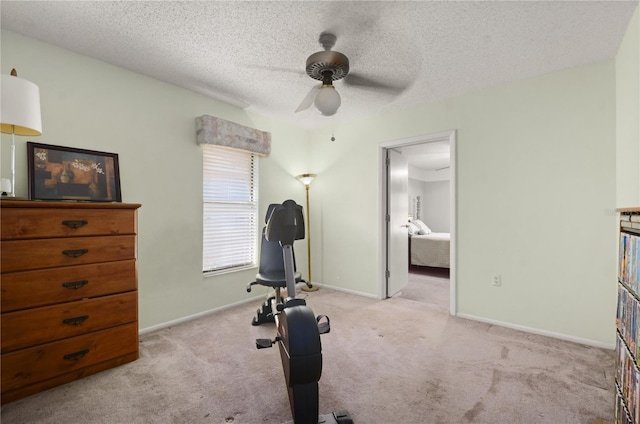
{"x": 451, "y": 137}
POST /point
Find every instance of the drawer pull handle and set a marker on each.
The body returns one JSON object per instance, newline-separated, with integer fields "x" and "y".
{"x": 75, "y": 320}
{"x": 76, "y": 355}
{"x": 75, "y": 224}
{"x": 75, "y": 284}
{"x": 75, "y": 253}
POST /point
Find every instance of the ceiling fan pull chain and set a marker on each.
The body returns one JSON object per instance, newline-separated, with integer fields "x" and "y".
{"x": 333, "y": 121}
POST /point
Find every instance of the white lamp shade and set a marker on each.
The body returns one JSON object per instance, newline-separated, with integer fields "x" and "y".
{"x": 327, "y": 100}
{"x": 306, "y": 178}
{"x": 20, "y": 111}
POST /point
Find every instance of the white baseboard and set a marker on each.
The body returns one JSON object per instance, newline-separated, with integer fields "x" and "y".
{"x": 341, "y": 289}
{"x": 198, "y": 315}
{"x": 232, "y": 305}
{"x": 588, "y": 342}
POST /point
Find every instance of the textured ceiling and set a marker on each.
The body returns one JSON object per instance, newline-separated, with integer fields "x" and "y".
{"x": 253, "y": 53}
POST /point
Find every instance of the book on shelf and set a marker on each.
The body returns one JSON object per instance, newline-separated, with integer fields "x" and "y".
{"x": 628, "y": 260}
{"x": 627, "y": 315}
{"x": 627, "y": 383}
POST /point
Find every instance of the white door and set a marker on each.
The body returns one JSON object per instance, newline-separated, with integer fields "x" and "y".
{"x": 397, "y": 217}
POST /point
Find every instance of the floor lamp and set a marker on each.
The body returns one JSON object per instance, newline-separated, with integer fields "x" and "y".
{"x": 19, "y": 114}
{"x": 306, "y": 180}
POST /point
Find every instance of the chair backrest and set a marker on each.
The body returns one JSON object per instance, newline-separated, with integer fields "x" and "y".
{"x": 271, "y": 259}
{"x": 285, "y": 223}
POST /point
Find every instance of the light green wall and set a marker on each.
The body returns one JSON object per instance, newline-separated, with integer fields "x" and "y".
{"x": 536, "y": 187}
{"x": 536, "y": 184}
{"x": 628, "y": 116}
{"x": 89, "y": 104}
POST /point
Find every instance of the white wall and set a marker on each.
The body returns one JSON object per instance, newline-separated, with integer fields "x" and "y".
{"x": 434, "y": 200}
{"x": 436, "y": 206}
{"x": 628, "y": 116}
{"x": 536, "y": 183}
{"x": 151, "y": 125}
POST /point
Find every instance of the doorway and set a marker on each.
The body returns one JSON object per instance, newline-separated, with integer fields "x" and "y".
{"x": 389, "y": 257}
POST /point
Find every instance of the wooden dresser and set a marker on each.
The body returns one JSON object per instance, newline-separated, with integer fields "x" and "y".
{"x": 69, "y": 297}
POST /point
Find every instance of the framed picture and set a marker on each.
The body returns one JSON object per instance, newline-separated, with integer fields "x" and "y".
{"x": 65, "y": 173}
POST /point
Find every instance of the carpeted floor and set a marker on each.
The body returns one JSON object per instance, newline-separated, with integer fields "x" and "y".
{"x": 402, "y": 360}
{"x": 428, "y": 285}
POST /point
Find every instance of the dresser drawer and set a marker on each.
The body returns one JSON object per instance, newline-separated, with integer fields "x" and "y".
{"x": 23, "y": 223}
{"x": 46, "y": 361}
{"x": 22, "y": 255}
{"x": 29, "y": 289}
{"x": 41, "y": 325}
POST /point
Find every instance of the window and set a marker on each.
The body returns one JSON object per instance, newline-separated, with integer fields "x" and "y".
{"x": 230, "y": 209}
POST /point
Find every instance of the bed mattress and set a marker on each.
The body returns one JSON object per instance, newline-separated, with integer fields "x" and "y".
{"x": 431, "y": 250}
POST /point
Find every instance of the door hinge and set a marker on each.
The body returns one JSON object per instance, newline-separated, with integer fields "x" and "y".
{"x": 388, "y": 161}
{"x": 387, "y": 274}
{"x": 387, "y": 218}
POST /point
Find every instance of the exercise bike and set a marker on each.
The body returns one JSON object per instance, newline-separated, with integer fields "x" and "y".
{"x": 298, "y": 330}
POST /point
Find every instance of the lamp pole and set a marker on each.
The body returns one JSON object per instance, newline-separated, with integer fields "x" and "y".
{"x": 13, "y": 161}
{"x": 306, "y": 180}
{"x": 306, "y": 187}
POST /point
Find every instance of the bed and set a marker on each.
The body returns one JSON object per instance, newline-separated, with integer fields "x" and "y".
{"x": 430, "y": 249}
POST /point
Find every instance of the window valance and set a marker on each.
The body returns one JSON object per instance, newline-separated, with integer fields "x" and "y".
{"x": 212, "y": 130}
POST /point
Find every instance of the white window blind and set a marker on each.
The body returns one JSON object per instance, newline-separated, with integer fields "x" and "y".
{"x": 230, "y": 209}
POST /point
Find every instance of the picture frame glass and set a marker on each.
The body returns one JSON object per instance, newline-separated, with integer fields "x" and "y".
{"x": 65, "y": 173}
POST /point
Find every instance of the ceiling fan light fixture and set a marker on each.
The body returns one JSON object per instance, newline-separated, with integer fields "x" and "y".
{"x": 327, "y": 100}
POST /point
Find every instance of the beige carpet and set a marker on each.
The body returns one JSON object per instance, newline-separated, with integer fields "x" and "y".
{"x": 396, "y": 361}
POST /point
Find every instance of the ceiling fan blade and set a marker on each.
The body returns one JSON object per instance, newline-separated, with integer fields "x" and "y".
{"x": 308, "y": 100}
{"x": 358, "y": 81}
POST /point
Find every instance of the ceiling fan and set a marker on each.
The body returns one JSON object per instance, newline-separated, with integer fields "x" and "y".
{"x": 328, "y": 66}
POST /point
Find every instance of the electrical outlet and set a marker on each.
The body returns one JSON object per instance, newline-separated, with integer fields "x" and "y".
{"x": 496, "y": 280}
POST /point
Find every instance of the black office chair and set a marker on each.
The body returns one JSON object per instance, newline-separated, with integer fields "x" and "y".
{"x": 271, "y": 271}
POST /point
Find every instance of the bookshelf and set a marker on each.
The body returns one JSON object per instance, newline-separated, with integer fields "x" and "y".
{"x": 627, "y": 403}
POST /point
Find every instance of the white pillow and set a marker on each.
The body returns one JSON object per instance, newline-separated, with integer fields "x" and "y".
{"x": 413, "y": 229}
{"x": 423, "y": 229}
